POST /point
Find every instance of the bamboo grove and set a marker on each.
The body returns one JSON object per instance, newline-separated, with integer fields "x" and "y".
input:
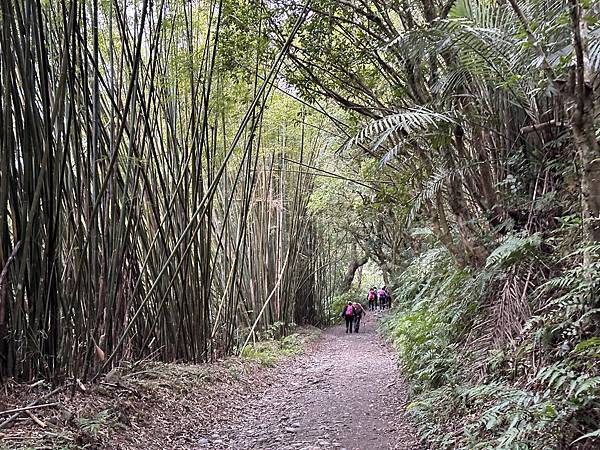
{"x": 151, "y": 204}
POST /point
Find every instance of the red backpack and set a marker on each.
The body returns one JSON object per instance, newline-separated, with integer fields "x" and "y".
{"x": 349, "y": 310}
{"x": 371, "y": 295}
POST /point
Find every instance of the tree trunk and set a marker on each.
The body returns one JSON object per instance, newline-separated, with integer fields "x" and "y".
{"x": 386, "y": 278}
{"x": 441, "y": 230}
{"x": 473, "y": 248}
{"x": 589, "y": 154}
{"x": 353, "y": 266}
{"x": 582, "y": 121}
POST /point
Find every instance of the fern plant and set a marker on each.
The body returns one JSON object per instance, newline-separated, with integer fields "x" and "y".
{"x": 550, "y": 404}
{"x": 513, "y": 249}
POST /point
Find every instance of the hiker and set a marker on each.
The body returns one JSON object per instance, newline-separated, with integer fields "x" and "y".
{"x": 372, "y": 297}
{"x": 348, "y": 314}
{"x": 388, "y": 296}
{"x": 382, "y": 296}
{"x": 358, "y": 313}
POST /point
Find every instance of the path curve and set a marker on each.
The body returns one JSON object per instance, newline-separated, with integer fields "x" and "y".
{"x": 308, "y": 405}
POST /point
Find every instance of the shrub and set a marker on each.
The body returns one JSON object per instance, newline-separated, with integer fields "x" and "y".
{"x": 535, "y": 389}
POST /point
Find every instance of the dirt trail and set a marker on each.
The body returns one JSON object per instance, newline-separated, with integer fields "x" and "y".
{"x": 302, "y": 403}
{"x": 307, "y": 404}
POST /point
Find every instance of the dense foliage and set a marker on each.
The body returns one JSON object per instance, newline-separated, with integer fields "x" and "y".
{"x": 504, "y": 357}
{"x": 178, "y": 180}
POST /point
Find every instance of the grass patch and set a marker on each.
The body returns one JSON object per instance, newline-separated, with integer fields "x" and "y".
{"x": 269, "y": 353}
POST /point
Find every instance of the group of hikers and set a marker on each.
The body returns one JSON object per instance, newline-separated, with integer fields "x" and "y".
{"x": 379, "y": 298}
{"x": 354, "y": 311}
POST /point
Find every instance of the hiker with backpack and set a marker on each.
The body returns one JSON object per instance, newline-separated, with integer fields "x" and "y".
{"x": 358, "y": 311}
{"x": 382, "y": 296}
{"x": 348, "y": 314}
{"x": 388, "y": 297}
{"x": 372, "y": 297}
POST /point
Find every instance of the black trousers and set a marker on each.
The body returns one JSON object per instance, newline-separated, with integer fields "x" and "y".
{"x": 349, "y": 320}
{"x": 357, "y": 322}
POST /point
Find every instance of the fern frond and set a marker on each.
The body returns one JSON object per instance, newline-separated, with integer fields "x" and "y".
{"x": 512, "y": 249}
{"x": 405, "y": 122}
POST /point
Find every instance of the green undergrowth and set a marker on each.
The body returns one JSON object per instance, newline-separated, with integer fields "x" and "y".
{"x": 504, "y": 357}
{"x": 269, "y": 352}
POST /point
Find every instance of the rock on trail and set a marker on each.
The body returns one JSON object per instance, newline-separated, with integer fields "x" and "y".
{"x": 343, "y": 393}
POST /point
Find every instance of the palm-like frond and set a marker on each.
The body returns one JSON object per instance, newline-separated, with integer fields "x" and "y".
{"x": 396, "y": 128}
{"x": 405, "y": 122}
{"x": 479, "y": 42}
{"x": 429, "y": 190}
{"x": 451, "y": 82}
{"x": 594, "y": 49}
{"x": 484, "y": 52}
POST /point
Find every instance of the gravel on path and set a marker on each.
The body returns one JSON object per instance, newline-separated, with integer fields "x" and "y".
{"x": 344, "y": 393}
